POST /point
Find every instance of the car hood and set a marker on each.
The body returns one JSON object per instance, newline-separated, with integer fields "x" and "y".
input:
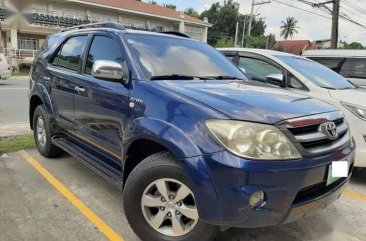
{"x": 241, "y": 101}
{"x": 351, "y": 96}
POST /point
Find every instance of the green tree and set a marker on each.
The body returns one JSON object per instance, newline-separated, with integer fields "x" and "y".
{"x": 224, "y": 18}
{"x": 353, "y": 45}
{"x": 289, "y": 27}
{"x": 225, "y": 43}
{"x": 171, "y": 6}
{"x": 192, "y": 12}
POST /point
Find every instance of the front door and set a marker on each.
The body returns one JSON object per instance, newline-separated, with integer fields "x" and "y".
{"x": 101, "y": 106}
{"x": 63, "y": 73}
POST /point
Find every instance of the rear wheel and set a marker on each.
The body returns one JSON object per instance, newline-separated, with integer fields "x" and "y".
{"x": 160, "y": 205}
{"x": 43, "y": 133}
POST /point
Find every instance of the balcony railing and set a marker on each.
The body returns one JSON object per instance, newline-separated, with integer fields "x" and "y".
{"x": 22, "y": 55}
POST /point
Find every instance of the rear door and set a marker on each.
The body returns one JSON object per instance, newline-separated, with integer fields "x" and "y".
{"x": 102, "y": 105}
{"x": 63, "y": 75}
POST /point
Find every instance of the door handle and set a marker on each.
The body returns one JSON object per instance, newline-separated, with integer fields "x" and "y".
{"x": 46, "y": 78}
{"x": 79, "y": 89}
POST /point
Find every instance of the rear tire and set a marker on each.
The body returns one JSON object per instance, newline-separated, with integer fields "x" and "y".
{"x": 145, "y": 184}
{"x": 43, "y": 133}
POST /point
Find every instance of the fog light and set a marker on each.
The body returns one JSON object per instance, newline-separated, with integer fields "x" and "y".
{"x": 257, "y": 199}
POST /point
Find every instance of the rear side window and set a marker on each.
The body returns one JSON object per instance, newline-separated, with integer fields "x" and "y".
{"x": 358, "y": 68}
{"x": 70, "y": 54}
{"x": 334, "y": 64}
{"x": 103, "y": 48}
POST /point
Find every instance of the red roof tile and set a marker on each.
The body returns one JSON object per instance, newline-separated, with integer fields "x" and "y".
{"x": 142, "y": 7}
{"x": 293, "y": 46}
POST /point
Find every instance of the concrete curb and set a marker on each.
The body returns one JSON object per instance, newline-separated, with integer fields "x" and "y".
{"x": 14, "y": 129}
{"x": 18, "y": 78}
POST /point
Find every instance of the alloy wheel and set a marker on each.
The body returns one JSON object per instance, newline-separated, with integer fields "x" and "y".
{"x": 169, "y": 207}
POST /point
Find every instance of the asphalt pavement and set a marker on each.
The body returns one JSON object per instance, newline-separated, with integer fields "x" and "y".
{"x": 37, "y": 204}
{"x": 14, "y": 106}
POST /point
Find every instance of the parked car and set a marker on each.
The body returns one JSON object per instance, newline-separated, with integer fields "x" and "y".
{"x": 301, "y": 75}
{"x": 351, "y": 64}
{"x": 174, "y": 124}
{"x": 5, "y": 71}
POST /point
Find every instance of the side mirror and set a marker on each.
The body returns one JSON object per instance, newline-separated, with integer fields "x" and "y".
{"x": 105, "y": 69}
{"x": 276, "y": 79}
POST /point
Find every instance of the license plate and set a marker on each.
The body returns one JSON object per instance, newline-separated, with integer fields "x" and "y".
{"x": 338, "y": 169}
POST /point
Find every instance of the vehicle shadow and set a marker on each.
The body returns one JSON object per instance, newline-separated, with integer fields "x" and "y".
{"x": 359, "y": 175}
{"x": 320, "y": 226}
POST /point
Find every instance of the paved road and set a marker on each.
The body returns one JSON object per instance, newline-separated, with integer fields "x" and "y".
{"x": 13, "y": 101}
{"x": 34, "y": 210}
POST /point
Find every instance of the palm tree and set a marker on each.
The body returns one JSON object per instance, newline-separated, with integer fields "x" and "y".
{"x": 289, "y": 28}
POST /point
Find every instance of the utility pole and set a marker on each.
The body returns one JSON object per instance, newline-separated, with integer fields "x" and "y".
{"x": 254, "y": 3}
{"x": 335, "y": 18}
{"x": 236, "y": 34}
{"x": 335, "y": 24}
{"x": 242, "y": 40}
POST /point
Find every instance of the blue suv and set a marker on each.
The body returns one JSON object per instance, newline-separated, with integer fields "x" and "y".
{"x": 193, "y": 144}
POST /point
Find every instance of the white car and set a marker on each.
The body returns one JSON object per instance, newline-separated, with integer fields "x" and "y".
{"x": 350, "y": 63}
{"x": 5, "y": 71}
{"x": 308, "y": 77}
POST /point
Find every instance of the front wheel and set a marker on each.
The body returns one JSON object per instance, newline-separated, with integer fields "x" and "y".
{"x": 160, "y": 204}
{"x": 43, "y": 133}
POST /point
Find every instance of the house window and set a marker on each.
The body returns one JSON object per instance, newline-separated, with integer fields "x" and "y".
{"x": 27, "y": 43}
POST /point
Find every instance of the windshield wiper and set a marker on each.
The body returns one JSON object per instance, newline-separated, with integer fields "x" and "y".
{"x": 329, "y": 88}
{"x": 178, "y": 77}
{"x": 224, "y": 77}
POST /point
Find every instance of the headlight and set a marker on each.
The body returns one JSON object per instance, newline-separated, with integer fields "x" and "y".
{"x": 360, "y": 112}
{"x": 252, "y": 140}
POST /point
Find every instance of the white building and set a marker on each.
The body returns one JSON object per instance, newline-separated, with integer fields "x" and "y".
{"x": 326, "y": 44}
{"x": 25, "y": 24}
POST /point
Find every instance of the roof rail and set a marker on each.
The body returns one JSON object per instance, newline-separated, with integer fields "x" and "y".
{"x": 112, "y": 25}
{"x": 119, "y": 26}
{"x": 176, "y": 34}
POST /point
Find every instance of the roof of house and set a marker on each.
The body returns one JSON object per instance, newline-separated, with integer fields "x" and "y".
{"x": 293, "y": 46}
{"x": 147, "y": 8}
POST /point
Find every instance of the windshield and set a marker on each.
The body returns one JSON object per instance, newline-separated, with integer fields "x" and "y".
{"x": 317, "y": 73}
{"x": 163, "y": 57}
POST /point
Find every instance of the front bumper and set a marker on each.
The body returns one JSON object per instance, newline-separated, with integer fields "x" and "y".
{"x": 293, "y": 189}
{"x": 358, "y": 131}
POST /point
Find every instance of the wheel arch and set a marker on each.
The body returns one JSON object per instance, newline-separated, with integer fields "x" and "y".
{"x": 39, "y": 96}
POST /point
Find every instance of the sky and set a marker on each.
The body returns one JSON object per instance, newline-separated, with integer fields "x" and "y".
{"x": 311, "y": 26}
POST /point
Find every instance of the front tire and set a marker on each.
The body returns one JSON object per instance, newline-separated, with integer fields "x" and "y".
{"x": 43, "y": 133}
{"x": 159, "y": 202}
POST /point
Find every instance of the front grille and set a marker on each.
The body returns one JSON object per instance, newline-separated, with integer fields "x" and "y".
{"x": 320, "y": 143}
{"x": 308, "y": 136}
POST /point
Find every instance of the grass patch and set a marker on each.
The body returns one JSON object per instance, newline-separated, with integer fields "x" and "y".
{"x": 17, "y": 143}
{"x": 20, "y": 74}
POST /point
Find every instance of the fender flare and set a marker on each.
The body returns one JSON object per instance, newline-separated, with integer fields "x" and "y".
{"x": 41, "y": 92}
{"x": 185, "y": 150}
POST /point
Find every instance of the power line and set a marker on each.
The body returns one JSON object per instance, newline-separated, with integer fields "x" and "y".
{"x": 308, "y": 11}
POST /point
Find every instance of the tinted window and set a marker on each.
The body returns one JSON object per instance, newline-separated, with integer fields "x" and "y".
{"x": 160, "y": 56}
{"x": 358, "y": 68}
{"x": 339, "y": 65}
{"x": 70, "y": 54}
{"x": 103, "y": 48}
{"x": 316, "y": 73}
{"x": 257, "y": 69}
